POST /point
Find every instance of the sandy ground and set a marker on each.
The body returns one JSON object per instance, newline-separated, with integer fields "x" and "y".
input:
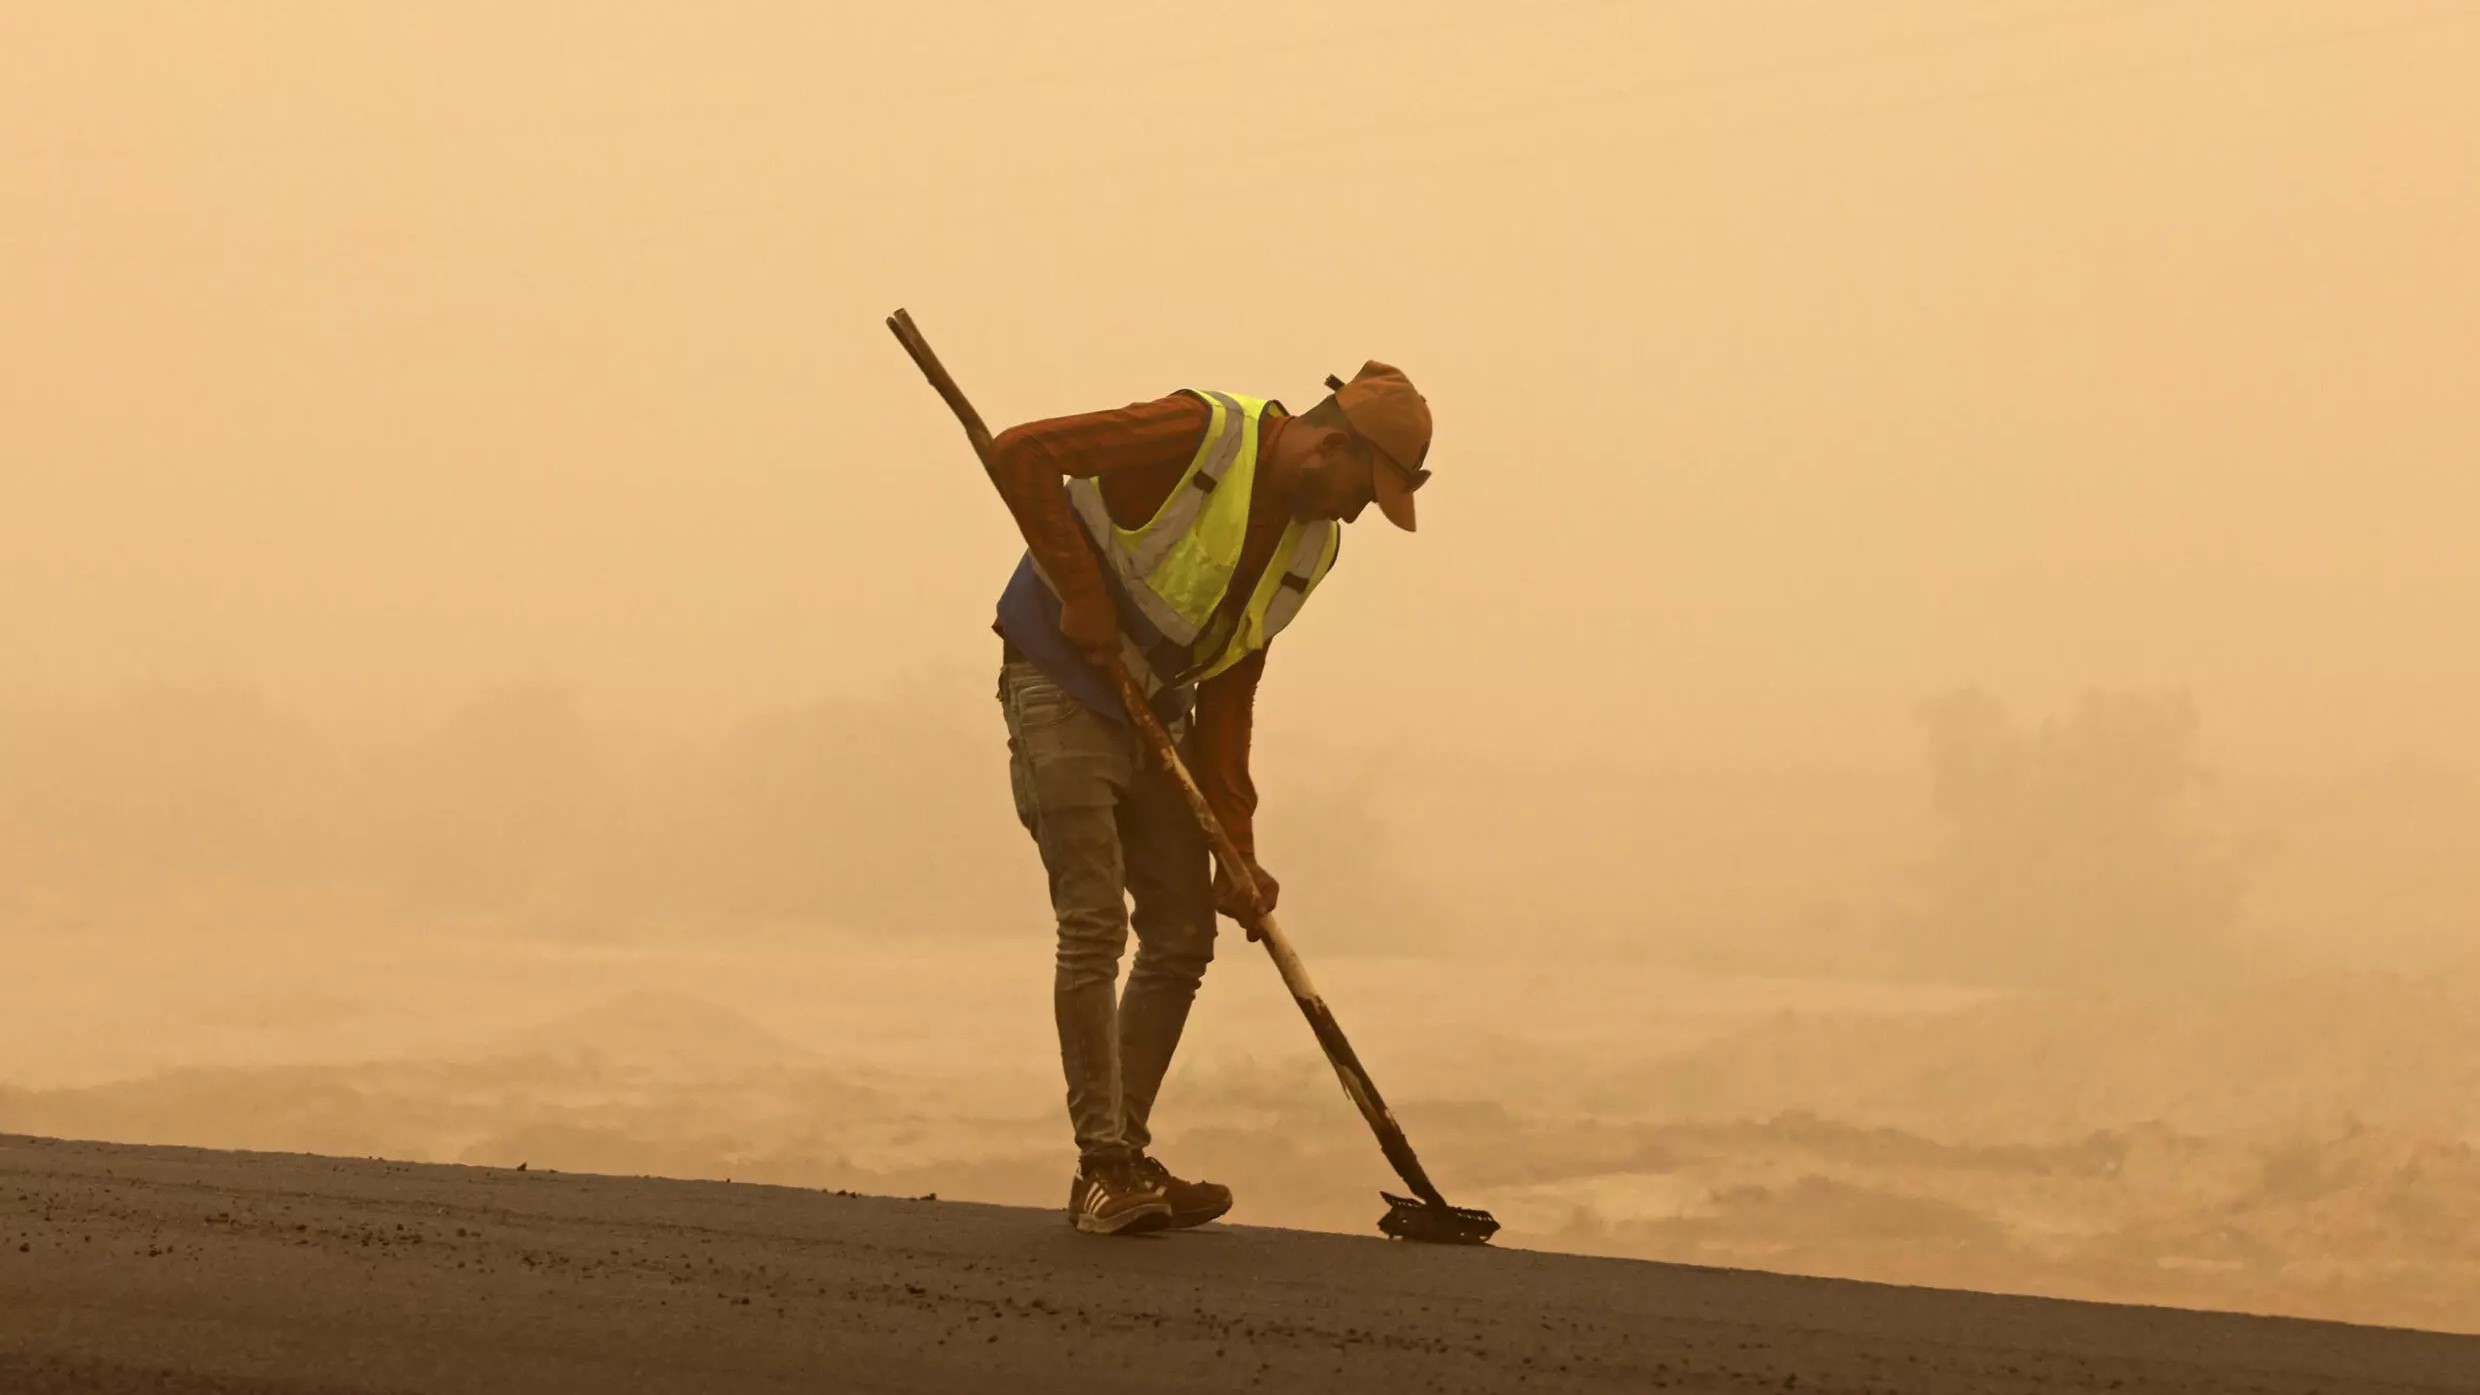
{"x": 161, "y": 1269}
{"x": 2300, "y": 1148}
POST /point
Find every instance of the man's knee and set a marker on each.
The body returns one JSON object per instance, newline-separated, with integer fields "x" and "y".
{"x": 1178, "y": 951}
{"x": 1081, "y": 852}
{"x": 1091, "y": 942}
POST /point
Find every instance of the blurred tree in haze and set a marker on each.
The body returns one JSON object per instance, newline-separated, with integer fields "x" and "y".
{"x": 2070, "y": 851}
{"x": 888, "y": 811}
{"x": 501, "y": 808}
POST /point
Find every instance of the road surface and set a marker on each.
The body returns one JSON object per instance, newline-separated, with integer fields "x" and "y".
{"x": 186, "y": 1271}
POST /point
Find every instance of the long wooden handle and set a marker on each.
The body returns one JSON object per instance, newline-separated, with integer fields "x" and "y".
{"x": 1356, "y": 1082}
{"x": 909, "y": 336}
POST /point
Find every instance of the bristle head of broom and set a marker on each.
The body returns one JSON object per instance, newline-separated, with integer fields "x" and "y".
{"x": 1409, "y": 1218}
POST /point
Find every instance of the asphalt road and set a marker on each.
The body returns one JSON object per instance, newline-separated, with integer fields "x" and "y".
{"x": 179, "y": 1270}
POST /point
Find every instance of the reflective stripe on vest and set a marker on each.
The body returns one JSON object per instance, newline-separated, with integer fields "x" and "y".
{"x": 1171, "y": 576}
{"x": 1176, "y": 567}
{"x": 1301, "y": 560}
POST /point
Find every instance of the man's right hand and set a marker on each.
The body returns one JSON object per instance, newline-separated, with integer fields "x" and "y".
{"x": 1093, "y": 627}
{"x": 1229, "y": 900}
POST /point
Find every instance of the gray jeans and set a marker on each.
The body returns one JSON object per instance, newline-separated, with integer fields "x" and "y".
{"x": 1112, "y": 829}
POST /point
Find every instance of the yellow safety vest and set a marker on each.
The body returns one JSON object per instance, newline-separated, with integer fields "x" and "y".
{"x": 1171, "y": 576}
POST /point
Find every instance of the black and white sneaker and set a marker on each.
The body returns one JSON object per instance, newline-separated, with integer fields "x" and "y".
{"x": 1116, "y": 1199}
{"x": 1192, "y": 1203}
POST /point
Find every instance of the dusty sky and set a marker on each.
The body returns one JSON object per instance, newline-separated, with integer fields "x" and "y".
{"x": 398, "y": 381}
{"x": 1792, "y": 360}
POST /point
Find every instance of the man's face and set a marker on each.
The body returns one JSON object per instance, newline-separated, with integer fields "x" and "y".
{"x": 1336, "y": 478}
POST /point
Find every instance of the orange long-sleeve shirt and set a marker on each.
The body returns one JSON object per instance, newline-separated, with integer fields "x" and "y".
{"x": 1138, "y": 455}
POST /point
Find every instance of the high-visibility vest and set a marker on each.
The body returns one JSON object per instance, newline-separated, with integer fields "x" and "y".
{"x": 1171, "y": 576}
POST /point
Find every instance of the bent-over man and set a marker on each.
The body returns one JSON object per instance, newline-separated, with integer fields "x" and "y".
{"x": 1178, "y": 536}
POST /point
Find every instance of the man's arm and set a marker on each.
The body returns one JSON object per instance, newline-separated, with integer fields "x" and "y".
{"x": 1029, "y": 461}
{"x": 1226, "y": 712}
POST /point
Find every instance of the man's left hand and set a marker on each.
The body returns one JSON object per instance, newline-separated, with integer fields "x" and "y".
{"x": 1229, "y": 899}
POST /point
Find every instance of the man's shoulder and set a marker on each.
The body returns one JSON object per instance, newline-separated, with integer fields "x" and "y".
{"x": 1177, "y": 419}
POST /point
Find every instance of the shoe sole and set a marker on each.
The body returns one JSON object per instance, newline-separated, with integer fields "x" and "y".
{"x": 1137, "y": 1220}
{"x": 1184, "y": 1220}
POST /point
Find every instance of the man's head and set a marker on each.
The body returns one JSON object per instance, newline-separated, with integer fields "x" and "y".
{"x": 1365, "y": 442}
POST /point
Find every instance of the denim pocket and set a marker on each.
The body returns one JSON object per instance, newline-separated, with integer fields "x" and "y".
{"x": 1040, "y": 703}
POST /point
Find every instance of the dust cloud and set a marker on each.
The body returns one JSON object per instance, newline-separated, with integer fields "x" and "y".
{"x": 1926, "y": 734}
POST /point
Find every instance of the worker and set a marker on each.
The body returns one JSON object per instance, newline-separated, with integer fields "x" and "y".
{"x": 1177, "y": 537}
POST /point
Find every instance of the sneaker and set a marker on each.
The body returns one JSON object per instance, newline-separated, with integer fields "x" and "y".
{"x": 1192, "y": 1203}
{"x": 1115, "y": 1199}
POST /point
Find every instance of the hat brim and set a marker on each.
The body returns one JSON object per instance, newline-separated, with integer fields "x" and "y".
{"x": 1394, "y": 494}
